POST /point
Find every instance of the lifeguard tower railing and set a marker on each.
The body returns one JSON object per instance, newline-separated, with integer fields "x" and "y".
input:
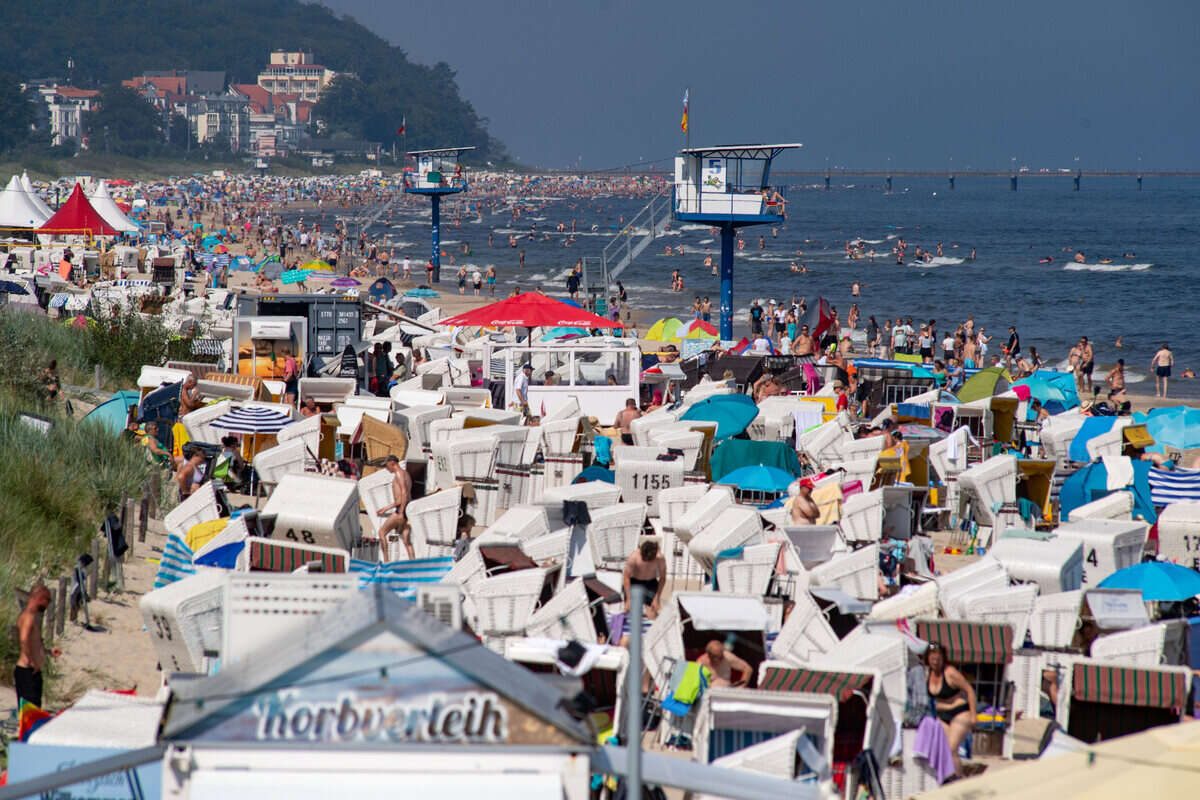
{"x": 434, "y": 180}
{"x": 727, "y": 184}
{"x": 635, "y": 236}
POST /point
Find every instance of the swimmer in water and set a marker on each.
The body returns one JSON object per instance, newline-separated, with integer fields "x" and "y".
{"x": 1129, "y": 255}
{"x": 1046, "y": 260}
{"x": 1079, "y": 257}
{"x": 1119, "y": 342}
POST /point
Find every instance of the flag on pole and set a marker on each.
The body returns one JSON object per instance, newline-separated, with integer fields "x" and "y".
{"x": 403, "y": 126}
{"x": 683, "y": 123}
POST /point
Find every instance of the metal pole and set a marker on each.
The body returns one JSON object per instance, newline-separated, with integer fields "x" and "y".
{"x": 435, "y": 217}
{"x": 727, "y": 233}
{"x": 633, "y": 694}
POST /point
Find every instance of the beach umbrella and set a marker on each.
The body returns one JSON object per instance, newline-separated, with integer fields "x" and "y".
{"x": 266, "y": 261}
{"x": 344, "y": 282}
{"x": 210, "y": 241}
{"x": 985, "y": 383}
{"x": 759, "y": 478}
{"x": 1177, "y": 427}
{"x": 1157, "y": 580}
{"x": 1053, "y": 395}
{"x": 698, "y": 329}
{"x": 421, "y": 291}
{"x": 1091, "y": 428}
{"x": 1090, "y": 483}
{"x": 529, "y": 310}
{"x": 381, "y": 291}
{"x": 252, "y": 419}
{"x": 563, "y": 332}
{"x": 318, "y": 264}
{"x": 294, "y": 276}
{"x": 664, "y": 330}
{"x": 733, "y": 413}
{"x": 221, "y": 248}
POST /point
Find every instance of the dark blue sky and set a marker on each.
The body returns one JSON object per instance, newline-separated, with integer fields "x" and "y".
{"x": 858, "y": 83}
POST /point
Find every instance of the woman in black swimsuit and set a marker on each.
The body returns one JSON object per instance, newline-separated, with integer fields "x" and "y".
{"x": 953, "y": 699}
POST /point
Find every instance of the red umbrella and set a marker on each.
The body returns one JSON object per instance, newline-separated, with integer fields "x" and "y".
{"x": 529, "y": 310}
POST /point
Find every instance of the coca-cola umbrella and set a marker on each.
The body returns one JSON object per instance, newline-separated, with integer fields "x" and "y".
{"x": 529, "y": 310}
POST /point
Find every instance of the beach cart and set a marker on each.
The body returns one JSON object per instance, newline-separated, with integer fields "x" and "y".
{"x": 1055, "y": 565}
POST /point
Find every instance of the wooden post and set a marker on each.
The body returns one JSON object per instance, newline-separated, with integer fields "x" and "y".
{"x": 155, "y": 477}
{"x": 48, "y": 623}
{"x": 61, "y": 619}
{"x": 97, "y": 373}
{"x": 94, "y": 569}
{"x": 144, "y": 512}
{"x": 108, "y": 561}
{"x": 127, "y": 514}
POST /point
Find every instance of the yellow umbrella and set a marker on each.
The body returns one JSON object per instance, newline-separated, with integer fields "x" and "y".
{"x": 318, "y": 264}
{"x": 665, "y": 330}
{"x": 1160, "y": 762}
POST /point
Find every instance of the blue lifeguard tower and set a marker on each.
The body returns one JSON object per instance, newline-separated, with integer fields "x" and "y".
{"x": 438, "y": 172}
{"x": 728, "y": 188}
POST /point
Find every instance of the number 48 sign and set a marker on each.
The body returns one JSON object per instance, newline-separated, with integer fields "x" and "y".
{"x": 641, "y": 481}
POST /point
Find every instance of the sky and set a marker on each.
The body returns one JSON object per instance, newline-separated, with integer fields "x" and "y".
{"x": 864, "y": 84}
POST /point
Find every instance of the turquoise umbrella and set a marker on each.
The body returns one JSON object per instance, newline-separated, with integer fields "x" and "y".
{"x": 1157, "y": 581}
{"x": 1177, "y": 427}
{"x": 295, "y": 276}
{"x": 733, "y": 413}
{"x": 759, "y": 478}
{"x": 563, "y": 332}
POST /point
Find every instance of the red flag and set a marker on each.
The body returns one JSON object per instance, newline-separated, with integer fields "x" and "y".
{"x": 403, "y": 126}
{"x": 818, "y": 318}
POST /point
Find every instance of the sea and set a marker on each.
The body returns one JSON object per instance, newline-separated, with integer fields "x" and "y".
{"x": 1150, "y": 237}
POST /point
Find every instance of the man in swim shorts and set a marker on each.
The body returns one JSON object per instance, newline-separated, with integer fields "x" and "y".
{"x": 1087, "y": 361}
{"x": 647, "y": 568}
{"x": 1161, "y": 364}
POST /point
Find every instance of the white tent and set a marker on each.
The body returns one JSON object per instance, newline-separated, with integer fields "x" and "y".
{"x": 17, "y": 209}
{"x": 102, "y": 201}
{"x": 37, "y": 200}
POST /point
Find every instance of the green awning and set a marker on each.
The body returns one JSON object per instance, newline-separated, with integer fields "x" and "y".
{"x": 1129, "y": 686}
{"x": 798, "y": 679}
{"x": 969, "y": 642}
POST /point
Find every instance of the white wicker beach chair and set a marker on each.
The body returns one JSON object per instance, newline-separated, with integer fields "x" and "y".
{"x": 805, "y": 633}
{"x": 703, "y": 512}
{"x": 856, "y": 574}
{"x": 434, "y": 521}
{"x": 550, "y": 547}
{"x": 1149, "y": 646}
{"x": 523, "y": 522}
{"x": 1012, "y": 607}
{"x": 862, "y": 517}
{"x": 287, "y": 458}
{"x": 614, "y": 533}
{"x": 922, "y": 603}
{"x": 1055, "y": 619}
{"x": 751, "y": 574}
{"x": 985, "y": 575}
{"x": 560, "y": 436}
{"x": 505, "y": 603}
{"x": 375, "y": 491}
{"x": 738, "y": 526}
{"x": 987, "y": 483}
{"x": 184, "y": 620}
{"x": 200, "y": 506}
{"x": 567, "y": 616}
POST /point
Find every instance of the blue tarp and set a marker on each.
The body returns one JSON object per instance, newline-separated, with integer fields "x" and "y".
{"x": 1089, "y": 484}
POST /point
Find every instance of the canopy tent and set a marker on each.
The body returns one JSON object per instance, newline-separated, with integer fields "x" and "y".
{"x": 77, "y": 216}
{"x": 17, "y": 209}
{"x": 102, "y": 201}
{"x": 1091, "y": 483}
{"x": 985, "y": 383}
{"x": 27, "y": 185}
{"x": 529, "y": 310}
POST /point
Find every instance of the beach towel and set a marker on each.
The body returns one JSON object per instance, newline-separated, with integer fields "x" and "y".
{"x": 828, "y": 498}
{"x": 176, "y": 562}
{"x": 1119, "y": 471}
{"x": 1168, "y": 486}
{"x": 933, "y": 747}
{"x": 688, "y": 683}
{"x": 201, "y": 534}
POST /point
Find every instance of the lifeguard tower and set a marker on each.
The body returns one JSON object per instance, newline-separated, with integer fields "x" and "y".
{"x": 438, "y": 173}
{"x": 728, "y": 188}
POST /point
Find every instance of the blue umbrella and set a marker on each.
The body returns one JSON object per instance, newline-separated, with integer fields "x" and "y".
{"x": 12, "y": 287}
{"x": 1157, "y": 580}
{"x": 759, "y": 478}
{"x": 733, "y": 413}
{"x": 1091, "y": 483}
{"x": 1092, "y": 427}
{"x": 295, "y": 276}
{"x": 1055, "y": 396}
{"x": 1177, "y": 426}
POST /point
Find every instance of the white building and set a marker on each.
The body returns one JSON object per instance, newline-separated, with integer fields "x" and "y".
{"x": 295, "y": 73}
{"x": 65, "y": 107}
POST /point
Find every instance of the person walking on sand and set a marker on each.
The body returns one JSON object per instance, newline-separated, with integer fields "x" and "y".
{"x": 1161, "y": 364}
{"x": 394, "y": 512}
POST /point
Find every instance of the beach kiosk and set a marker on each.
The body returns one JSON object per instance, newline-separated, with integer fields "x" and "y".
{"x": 438, "y": 173}
{"x": 727, "y": 187}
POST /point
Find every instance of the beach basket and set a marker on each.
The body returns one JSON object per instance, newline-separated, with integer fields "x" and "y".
{"x": 434, "y": 521}
{"x": 628, "y": 452}
{"x": 314, "y": 509}
{"x": 733, "y": 527}
{"x": 269, "y": 555}
{"x": 560, "y": 436}
{"x": 467, "y": 572}
{"x": 306, "y": 430}
{"x": 1179, "y": 532}
{"x": 922, "y": 603}
{"x": 1055, "y": 619}
{"x": 642, "y": 427}
{"x": 505, "y": 603}
{"x": 751, "y": 573}
{"x": 862, "y": 517}
{"x": 550, "y": 547}
{"x": 805, "y": 634}
{"x": 985, "y": 575}
{"x": 775, "y": 757}
{"x": 940, "y": 455}
{"x": 566, "y": 616}
{"x": 1149, "y": 646}
{"x": 288, "y": 458}
{"x": 884, "y": 652}
{"x": 703, "y": 512}
{"x": 1108, "y": 544}
{"x": 375, "y": 492}
{"x": 691, "y": 443}
{"x": 1055, "y": 565}
{"x": 641, "y": 481}
{"x": 184, "y": 620}
{"x": 1118, "y": 505}
{"x": 200, "y": 506}
{"x": 682, "y": 569}
{"x": 262, "y": 609}
{"x": 196, "y": 423}
{"x": 988, "y": 483}
{"x": 856, "y": 573}
{"x": 814, "y": 544}
{"x": 674, "y": 503}
{"x": 614, "y": 533}
{"x": 823, "y": 445}
{"x": 523, "y": 523}
{"x": 595, "y": 494}
{"x": 1026, "y": 674}
{"x": 416, "y": 424}
{"x": 1012, "y": 607}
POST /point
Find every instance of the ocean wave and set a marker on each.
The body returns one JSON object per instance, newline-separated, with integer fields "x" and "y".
{"x": 938, "y": 261}
{"x": 1073, "y": 267}
{"x": 691, "y": 226}
{"x": 706, "y": 241}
